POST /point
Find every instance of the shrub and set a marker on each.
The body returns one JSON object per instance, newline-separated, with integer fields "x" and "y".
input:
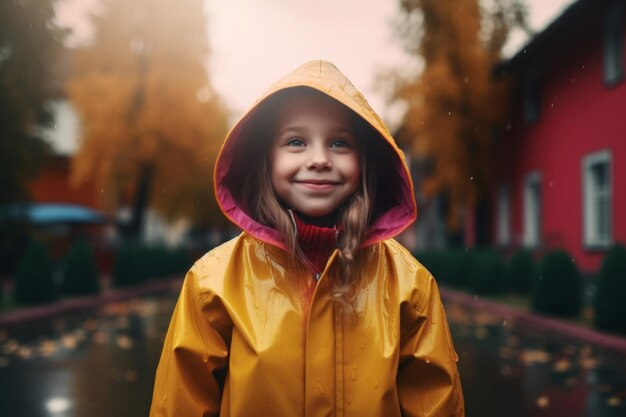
{"x": 81, "y": 274}
{"x": 485, "y": 272}
{"x": 556, "y": 287}
{"x": 128, "y": 266}
{"x": 519, "y": 272}
{"x": 610, "y": 308}
{"x": 34, "y": 282}
{"x": 134, "y": 264}
{"x": 447, "y": 266}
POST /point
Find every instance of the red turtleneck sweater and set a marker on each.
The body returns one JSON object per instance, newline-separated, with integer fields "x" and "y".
{"x": 316, "y": 242}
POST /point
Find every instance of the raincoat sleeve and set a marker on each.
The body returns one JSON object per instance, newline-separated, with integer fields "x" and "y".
{"x": 428, "y": 380}
{"x": 195, "y": 356}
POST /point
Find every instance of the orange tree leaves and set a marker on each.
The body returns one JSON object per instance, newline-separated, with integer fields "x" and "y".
{"x": 455, "y": 103}
{"x": 145, "y": 98}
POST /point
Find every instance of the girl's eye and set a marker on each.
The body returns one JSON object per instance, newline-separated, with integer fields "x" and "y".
{"x": 295, "y": 142}
{"x": 340, "y": 143}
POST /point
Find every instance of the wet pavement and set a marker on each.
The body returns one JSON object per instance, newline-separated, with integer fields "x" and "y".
{"x": 511, "y": 369}
{"x": 102, "y": 363}
{"x": 92, "y": 364}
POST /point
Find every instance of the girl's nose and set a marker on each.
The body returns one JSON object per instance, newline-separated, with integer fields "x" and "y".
{"x": 319, "y": 159}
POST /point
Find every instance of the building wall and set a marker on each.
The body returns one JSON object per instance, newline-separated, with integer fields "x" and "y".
{"x": 52, "y": 185}
{"x": 578, "y": 116}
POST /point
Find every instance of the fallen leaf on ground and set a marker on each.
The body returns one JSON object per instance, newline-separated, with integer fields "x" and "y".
{"x": 10, "y": 347}
{"x": 124, "y": 342}
{"x": 588, "y": 363}
{"x": 25, "y": 352}
{"x": 534, "y": 356}
{"x": 543, "y": 402}
{"x": 512, "y": 340}
{"x": 561, "y": 365}
{"x": 91, "y": 325}
{"x": 47, "y": 348}
{"x": 570, "y": 382}
{"x": 614, "y": 401}
{"x": 69, "y": 341}
{"x": 130, "y": 375}
{"x": 100, "y": 337}
{"x": 506, "y": 352}
{"x": 481, "y": 333}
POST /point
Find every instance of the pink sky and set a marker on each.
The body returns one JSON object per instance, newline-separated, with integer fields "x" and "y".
{"x": 255, "y": 42}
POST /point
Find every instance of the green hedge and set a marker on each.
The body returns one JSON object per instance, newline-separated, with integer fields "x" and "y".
{"x": 33, "y": 278}
{"x": 556, "y": 286}
{"x": 610, "y": 301}
{"x": 447, "y": 266}
{"x": 134, "y": 263}
{"x": 485, "y": 272}
{"x": 519, "y": 271}
{"x": 80, "y": 272}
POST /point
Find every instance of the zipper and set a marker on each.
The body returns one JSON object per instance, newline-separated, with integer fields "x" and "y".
{"x": 316, "y": 276}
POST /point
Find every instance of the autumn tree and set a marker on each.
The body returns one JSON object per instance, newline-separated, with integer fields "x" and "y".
{"x": 29, "y": 43}
{"x": 151, "y": 121}
{"x": 455, "y": 103}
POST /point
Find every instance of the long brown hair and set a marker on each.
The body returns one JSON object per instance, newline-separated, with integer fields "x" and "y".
{"x": 258, "y": 198}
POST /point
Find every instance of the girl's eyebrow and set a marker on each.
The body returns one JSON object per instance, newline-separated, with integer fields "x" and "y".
{"x": 296, "y": 129}
{"x": 345, "y": 129}
{"x": 299, "y": 129}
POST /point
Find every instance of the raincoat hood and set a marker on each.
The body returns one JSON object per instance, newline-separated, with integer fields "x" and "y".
{"x": 394, "y": 208}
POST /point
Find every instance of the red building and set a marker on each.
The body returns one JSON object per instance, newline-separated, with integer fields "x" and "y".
{"x": 561, "y": 162}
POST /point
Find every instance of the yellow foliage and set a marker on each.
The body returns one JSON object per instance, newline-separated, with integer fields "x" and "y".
{"x": 145, "y": 98}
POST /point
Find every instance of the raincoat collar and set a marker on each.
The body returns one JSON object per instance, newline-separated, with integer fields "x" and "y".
{"x": 396, "y": 202}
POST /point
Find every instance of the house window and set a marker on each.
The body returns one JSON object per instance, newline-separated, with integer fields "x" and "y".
{"x": 614, "y": 43}
{"x": 532, "y": 210}
{"x": 597, "y": 197}
{"x": 504, "y": 216}
{"x": 532, "y": 99}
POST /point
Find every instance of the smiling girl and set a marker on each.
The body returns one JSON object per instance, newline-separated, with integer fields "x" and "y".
{"x": 314, "y": 310}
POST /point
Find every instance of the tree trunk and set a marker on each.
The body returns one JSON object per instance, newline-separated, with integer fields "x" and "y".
{"x": 142, "y": 197}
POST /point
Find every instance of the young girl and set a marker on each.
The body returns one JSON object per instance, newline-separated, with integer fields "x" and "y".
{"x": 314, "y": 310}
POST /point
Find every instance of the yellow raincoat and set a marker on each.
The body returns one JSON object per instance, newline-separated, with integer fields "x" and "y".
{"x": 241, "y": 344}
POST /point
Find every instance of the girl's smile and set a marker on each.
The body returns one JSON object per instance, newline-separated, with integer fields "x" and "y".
{"x": 315, "y": 157}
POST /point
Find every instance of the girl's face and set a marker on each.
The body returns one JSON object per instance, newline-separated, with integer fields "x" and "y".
{"x": 314, "y": 157}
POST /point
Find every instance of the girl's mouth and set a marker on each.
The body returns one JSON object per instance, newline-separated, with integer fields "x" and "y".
{"x": 318, "y": 184}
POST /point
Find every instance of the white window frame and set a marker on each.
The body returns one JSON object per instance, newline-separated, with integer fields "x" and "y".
{"x": 613, "y": 44}
{"x": 592, "y": 238}
{"x": 504, "y": 215}
{"x": 532, "y": 208}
